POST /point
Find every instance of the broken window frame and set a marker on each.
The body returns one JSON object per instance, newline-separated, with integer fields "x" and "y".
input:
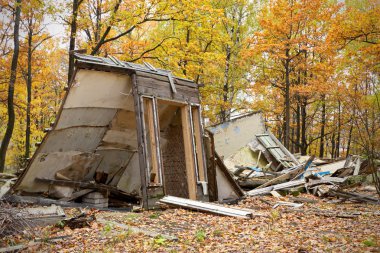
{"x": 197, "y": 136}
{"x": 198, "y": 154}
{"x": 156, "y": 134}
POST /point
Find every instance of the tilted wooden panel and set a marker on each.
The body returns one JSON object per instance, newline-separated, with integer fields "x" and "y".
{"x": 162, "y": 89}
{"x": 177, "y": 81}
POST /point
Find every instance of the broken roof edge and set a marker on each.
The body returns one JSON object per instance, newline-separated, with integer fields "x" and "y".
{"x": 238, "y": 117}
{"x": 113, "y": 62}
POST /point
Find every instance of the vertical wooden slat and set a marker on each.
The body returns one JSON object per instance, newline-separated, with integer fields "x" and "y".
{"x": 211, "y": 166}
{"x": 198, "y": 143}
{"x": 152, "y": 138}
{"x": 189, "y": 155}
{"x": 139, "y": 113}
{"x": 157, "y": 135}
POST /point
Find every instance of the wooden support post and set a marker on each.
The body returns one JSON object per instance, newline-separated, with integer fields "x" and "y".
{"x": 152, "y": 139}
{"x": 211, "y": 167}
{"x": 189, "y": 155}
{"x": 140, "y": 140}
{"x": 198, "y": 142}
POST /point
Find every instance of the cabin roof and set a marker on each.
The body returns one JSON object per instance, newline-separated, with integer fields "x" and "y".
{"x": 112, "y": 61}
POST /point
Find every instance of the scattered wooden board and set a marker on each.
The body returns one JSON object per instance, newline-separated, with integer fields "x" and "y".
{"x": 206, "y": 207}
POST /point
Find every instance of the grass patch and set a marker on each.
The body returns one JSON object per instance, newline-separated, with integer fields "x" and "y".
{"x": 200, "y": 235}
{"x": 369, "y": 242}
{"x": 217, "y": 232}
{"x": 154, "y": 215}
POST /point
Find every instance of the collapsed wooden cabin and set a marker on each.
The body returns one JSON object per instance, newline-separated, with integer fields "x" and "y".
{"x": 129, "y": 131}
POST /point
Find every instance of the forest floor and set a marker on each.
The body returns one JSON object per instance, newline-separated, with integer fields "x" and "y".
{"x": 314, "y": 227}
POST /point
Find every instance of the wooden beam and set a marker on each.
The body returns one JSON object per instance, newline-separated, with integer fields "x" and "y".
{"x": 207, "y": 207}
{"x": 189, "y": 155}
{"x": 158, "y": 146}
{"x": 77, "y": 194}
{"x": 152, "y": 139}
{"x": 198, "y": 142}
{"x": 140, "y": 140}
{"x": 211, "y": 166}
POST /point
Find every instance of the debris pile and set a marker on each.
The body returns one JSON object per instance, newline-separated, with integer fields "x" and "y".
{"x": 11, "y": 222}
{"x": 262, "y": 165}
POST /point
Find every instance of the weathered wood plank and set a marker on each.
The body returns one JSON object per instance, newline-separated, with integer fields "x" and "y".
{"x": 189, "y": 155}
{"x": 198, "y": 142}
{"x": 211, "y": 166}
{"x": 177, "y": 81}
{"x": 207, "y": 207}
{"x": 165, "y": 84}
{"x": 152, "y": 138}
{"x": 140, "y": 140}
{"x": 77, "y": 194}
{"x": 180, "y": 96}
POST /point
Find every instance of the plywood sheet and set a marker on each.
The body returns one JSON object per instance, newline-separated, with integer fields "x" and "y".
{"x": 225, "y": 190}
{"x": 46, "y": 166}
{"x": 130, "y": 180}
{"x": 100, "y": 89}
{"x": 84, "y": 139}
{"x": 233, "y": 135}
{"x": 124, "y": 120}
{"x": 113, "y": 160}
{"x": 126, "y": 139}
{"x": 85, "y": 117}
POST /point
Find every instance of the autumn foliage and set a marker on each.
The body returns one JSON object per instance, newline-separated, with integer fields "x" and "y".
{"x": 312, "y": 66}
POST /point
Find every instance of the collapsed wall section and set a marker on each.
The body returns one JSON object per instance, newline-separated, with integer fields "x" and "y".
{"x": 94, "y": 138}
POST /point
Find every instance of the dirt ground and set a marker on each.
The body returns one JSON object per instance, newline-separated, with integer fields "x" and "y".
{"x": 314, "y": 227}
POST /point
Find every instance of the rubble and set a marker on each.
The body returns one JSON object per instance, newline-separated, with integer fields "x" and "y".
{"x": 262, "y": 165}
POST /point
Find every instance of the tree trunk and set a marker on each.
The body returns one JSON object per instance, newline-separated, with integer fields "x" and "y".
{"x": 349, "y": 139}
{"x": 333, "y": 145}
{"x": 337, "y": 148}
{"x": 185, "y": 61}
{"x": 224, "y": 115}
{"x": 98, "y": 20}
{"x": 294, "y": 118}
{"x": 298, "y": 134}
{"x": 323, "y": 125}
{"x": 287, "y": 100}
{"x": 11, "y": 87}
{"x": 73, "y": 34}
{"x": 303, "y": 128}
{"x": 29, "y": 88}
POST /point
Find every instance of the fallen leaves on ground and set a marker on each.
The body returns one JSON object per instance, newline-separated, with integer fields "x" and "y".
{"x": 314, "y": 227}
